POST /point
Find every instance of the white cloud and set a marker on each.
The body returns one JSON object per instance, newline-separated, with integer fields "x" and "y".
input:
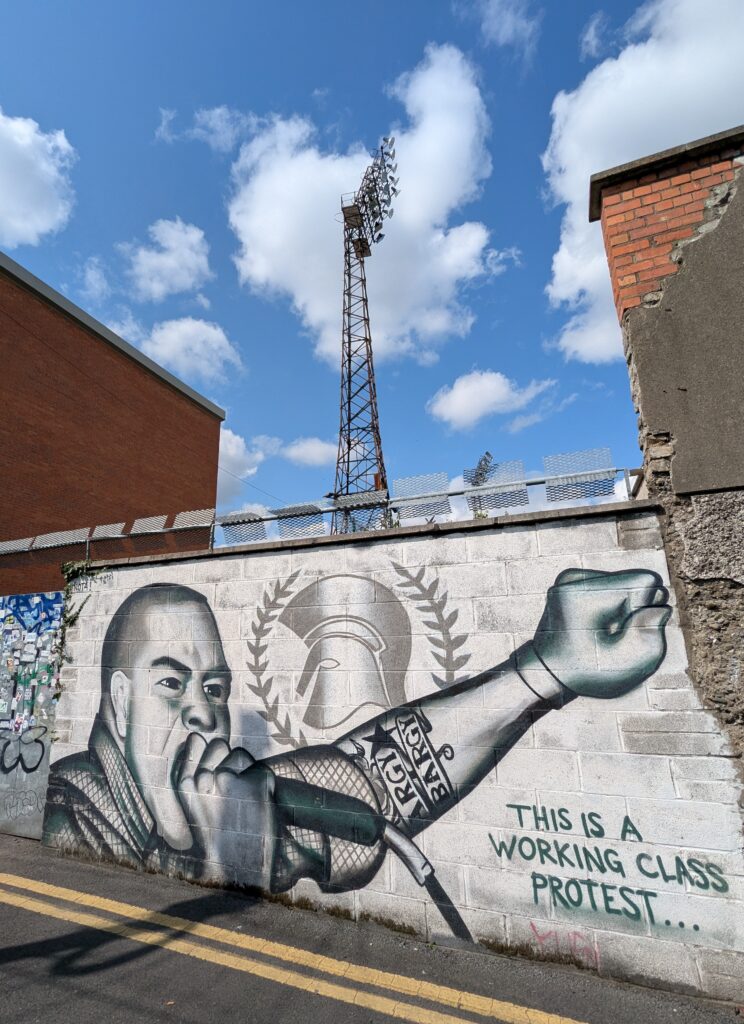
{"x": 95, "y": 286}
{"x": 164, "y": 131}
{"x": 177, "y": 261}
{"x": 481, "y": 393}
{"x": 241, "y": 458}
{"x": 238, "y": 461}
{"x": 257, "y": 507}
{"x": 127, "y": 326}
{"x": 311, "y": 451}
{"x": 36, "y": 194}
{"x": 192, "y": 348}
{"x": 591, "y": 41}
{"x": 285, "y": 204}
{"x": 220, "y": 127}
{"x": 524, "y": 420}
{"x": 548, "y": 407}
{"x": 498, "y": 260}
{"x": 680, "y": 77}
{"x": 509, "y": 23}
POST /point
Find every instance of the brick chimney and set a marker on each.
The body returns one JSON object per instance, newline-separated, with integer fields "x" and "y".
{"x": 673, "y": 229}
{"x": 651, "y": 207}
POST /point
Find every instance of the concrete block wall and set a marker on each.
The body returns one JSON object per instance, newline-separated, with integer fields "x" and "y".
{"x": 574, "y": 801}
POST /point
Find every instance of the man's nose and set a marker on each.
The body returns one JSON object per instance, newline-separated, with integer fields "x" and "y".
{"x": 198, "y": 714}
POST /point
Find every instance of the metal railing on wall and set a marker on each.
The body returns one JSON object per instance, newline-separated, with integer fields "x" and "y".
{"x": 570, "y": 480}
{"x": 90, "y": 535}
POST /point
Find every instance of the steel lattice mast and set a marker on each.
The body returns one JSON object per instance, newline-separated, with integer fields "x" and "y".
{"x": 360, "y": 465}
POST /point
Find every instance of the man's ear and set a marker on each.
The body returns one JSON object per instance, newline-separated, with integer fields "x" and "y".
{"x": 120, "y": 686}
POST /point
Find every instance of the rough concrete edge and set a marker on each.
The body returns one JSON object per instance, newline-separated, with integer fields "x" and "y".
{"x": 716, "y": 206}
{"x": 620, "y": 508}
{"x": 659, "y": 448}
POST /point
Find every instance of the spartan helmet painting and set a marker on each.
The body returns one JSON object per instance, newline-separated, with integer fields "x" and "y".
{"x": 358, "y": 636}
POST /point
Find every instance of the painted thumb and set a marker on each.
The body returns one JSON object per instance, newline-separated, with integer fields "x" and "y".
{"x": 193, "y": 752}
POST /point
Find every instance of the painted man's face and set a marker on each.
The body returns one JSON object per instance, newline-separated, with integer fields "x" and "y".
{"x": 171, "y": 689}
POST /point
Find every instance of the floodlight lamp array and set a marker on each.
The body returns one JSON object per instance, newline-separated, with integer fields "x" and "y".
{"x": 378, "y": 189}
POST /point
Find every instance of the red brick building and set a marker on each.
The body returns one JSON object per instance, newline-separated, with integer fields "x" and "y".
{"x": 93, "y": 433}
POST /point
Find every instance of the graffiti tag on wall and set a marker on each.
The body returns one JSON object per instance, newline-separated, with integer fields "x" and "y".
{"x": 29, "y": 628}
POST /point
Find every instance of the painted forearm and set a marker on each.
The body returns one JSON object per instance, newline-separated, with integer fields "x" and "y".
{"x": 426, "y": 755}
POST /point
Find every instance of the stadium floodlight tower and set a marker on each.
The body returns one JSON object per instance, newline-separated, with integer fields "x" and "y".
{"x": 360, "y": 466}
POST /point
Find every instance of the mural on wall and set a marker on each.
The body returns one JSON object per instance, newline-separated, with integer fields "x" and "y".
{"x": 355, "y": 625}
{"x": 160, "y": 786}
{"x": 29, "y": 632}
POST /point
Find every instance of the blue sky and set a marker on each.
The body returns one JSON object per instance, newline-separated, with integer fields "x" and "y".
{"x": 175, "y": 169}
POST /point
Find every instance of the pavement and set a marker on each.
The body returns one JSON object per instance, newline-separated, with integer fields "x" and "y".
{"x": 83, "y": 943}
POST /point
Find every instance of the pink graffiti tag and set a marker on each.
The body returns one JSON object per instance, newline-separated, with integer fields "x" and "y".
{"x": 574, "y": 944}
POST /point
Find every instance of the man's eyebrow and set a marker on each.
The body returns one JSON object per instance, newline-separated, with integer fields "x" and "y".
{"x": 171, "y": 663}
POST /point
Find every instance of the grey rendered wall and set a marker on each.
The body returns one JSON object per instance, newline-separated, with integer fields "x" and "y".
{"x": 687, "y": 354}
{"x": 603, "y": 829}
{"x": 685, "y": 357}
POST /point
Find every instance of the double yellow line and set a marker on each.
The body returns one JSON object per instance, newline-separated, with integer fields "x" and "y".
{"x": 156, "y": 929}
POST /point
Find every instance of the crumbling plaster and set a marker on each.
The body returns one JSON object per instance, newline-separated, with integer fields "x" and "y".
{"x": 685, "y": 352}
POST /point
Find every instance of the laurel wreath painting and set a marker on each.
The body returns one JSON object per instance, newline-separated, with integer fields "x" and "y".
{"x": 267, "y": 613}
{"x": 435, "y": 606}
{"x": 429, "y": 602}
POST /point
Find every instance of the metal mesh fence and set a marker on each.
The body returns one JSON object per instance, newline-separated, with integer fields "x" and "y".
{"x": 490, "y": 488}
{"x": 408, "y": 487}
{"x": 243, "y": 528}
{"x": 579, "y": 475}
{"x": 191, "y": 520}
{"x": 107, "y": 530}
{"x": 8, "y": 547}
{"x": 148, "y": 524}
{"x": 61, "y": 538}
{"x": 371, "y": 517}
{"x": 294, "y": 521}
{"x": 494, "y": 490}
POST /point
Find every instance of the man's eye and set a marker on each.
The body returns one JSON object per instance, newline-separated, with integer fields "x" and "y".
{"x": 217, "y": 691}
{"x": 170, "y": 683}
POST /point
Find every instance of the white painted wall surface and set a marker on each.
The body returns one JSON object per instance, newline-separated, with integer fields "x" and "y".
{"x": 646, "y": 774}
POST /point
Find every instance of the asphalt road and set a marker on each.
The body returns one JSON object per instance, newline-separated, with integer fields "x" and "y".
{"x": 69, "y": 955}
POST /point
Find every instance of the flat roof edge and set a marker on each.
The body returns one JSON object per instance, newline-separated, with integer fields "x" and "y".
{"x": 35, "y": 284}
{"x": 731, "y": 138}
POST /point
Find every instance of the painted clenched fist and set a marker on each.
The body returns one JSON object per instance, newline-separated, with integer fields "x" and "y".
{"x": 602, "y": 633}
